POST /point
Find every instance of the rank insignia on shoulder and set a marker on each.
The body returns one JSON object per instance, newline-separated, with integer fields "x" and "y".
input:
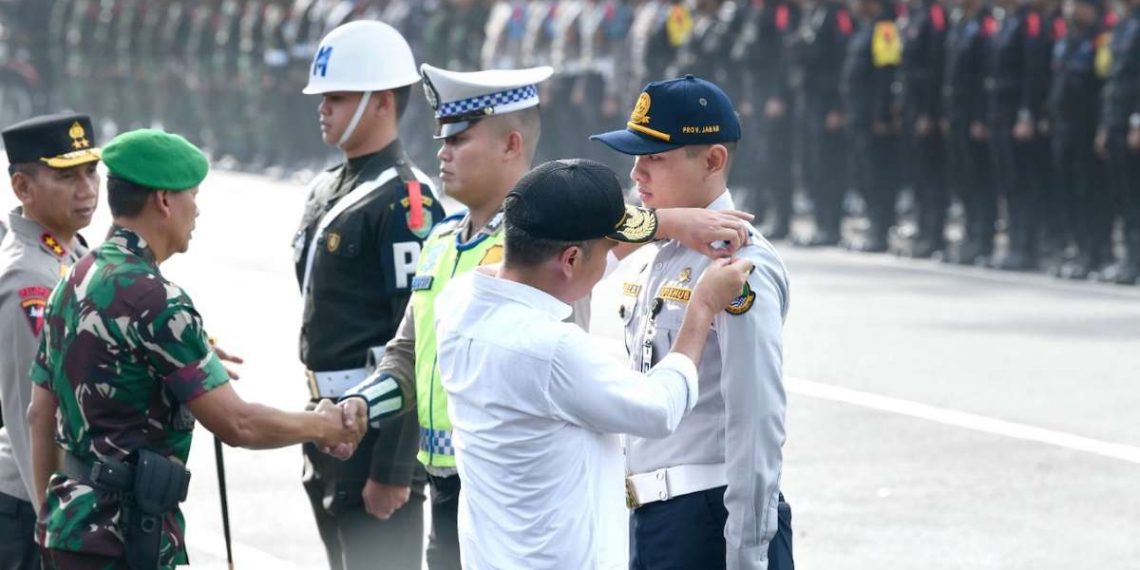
{"x": 494, "y": 255}
{"x": 332, "y": 242}
{"x": 630, "y": 289}
{"x": 53, "y": 244}
{"x": 674, "y": 293}
{"x": 743, "y": 303}
{"x": 422, "y": 282}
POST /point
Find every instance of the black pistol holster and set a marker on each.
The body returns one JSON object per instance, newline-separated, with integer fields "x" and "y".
{"x": 159, "y": 485}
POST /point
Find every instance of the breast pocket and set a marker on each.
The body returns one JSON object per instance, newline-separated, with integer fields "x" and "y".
{"x": 343, "y": 238}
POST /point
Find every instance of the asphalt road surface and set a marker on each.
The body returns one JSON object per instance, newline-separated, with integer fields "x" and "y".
{"x": 938, "y": 418}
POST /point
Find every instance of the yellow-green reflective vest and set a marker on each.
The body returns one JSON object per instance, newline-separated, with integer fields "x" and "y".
{"x": 443, "y": 258}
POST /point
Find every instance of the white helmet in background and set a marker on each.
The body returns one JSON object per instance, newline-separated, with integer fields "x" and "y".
{"x": 361, "y": 56}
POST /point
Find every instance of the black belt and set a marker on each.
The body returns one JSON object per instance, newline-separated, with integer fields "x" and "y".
{"x": 107, "y": 474}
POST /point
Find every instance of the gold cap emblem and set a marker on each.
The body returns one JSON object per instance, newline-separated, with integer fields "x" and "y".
{"x": 640, "y": 114}
{"x": 78, "y": 136}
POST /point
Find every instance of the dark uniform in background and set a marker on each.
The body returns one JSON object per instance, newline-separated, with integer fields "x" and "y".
{"x": 1078, "y": 173}
{"x": 964, "y": 121}
{"x": 761, "y": 53}
{"x": 1120, "y": 117}
{"x": 923, "y": 33}
{"x": 1016, "y": 83}
{"x": 869, "y": 70}
{"x": 819, "y": 49}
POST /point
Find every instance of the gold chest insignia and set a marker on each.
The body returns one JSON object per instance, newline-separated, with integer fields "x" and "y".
{"x": 332, "y": 243}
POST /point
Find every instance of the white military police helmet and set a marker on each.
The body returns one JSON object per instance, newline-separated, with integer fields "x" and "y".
{"x": 364, "y": 55}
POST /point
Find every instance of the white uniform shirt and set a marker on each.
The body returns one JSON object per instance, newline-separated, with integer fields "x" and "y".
{"x": 739, "y": 417}
{"x": 531, "y": 399}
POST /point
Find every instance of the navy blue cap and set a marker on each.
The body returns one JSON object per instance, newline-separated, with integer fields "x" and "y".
{"x": 675, "y": 113}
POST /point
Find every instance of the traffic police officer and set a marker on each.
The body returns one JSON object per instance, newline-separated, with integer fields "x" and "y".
{"x": 1074, "y": 110}
{"x": 125, "y": 368}
{"x": 53, "y": 160}
{"x": 866, "y": 83}
{"x": 355, "y": 255}
{"x": 923, "y": 31}
{"x": 707, "y": 496}
{"x": 1119, "y": 139}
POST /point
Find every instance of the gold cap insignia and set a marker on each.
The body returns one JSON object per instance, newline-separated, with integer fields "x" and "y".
{"x": 640, "y": 114}
{"x": 78, "y": 136}
{"x": 638, "y": 225}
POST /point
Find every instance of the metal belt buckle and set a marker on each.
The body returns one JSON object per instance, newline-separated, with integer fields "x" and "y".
{"x": 630, "y": 495}
{"x": 314, "y": 389}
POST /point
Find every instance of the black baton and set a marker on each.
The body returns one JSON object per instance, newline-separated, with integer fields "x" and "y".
{"x": 225, "y": 502}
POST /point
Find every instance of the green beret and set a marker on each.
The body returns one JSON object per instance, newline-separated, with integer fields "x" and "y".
{"x": 156, "y": 159}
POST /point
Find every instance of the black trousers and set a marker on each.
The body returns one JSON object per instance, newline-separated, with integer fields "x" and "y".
{"x": 18, "y": 550}
{"x": 687, "y": 533}
{"x": 927, "y": 159}
{"x": 1017, "y": 167}
{"x": 971, "y": 179}
{"x": 874, "y": 159}
{"x": 353, "y": 538}
{"x": 1124, "y": 175}
{"x": 1081, "y": 206}
{"x": 443, "y": 543}
{"x": 825, "y": 166}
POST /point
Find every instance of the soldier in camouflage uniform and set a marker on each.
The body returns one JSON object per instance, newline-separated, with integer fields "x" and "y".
{"x": 53, "y": 172}
{"x": 125, "y": 362}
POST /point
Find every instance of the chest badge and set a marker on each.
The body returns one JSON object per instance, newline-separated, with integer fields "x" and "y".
{"x": 743, "y": 303}
{"x": 332, "y": 242}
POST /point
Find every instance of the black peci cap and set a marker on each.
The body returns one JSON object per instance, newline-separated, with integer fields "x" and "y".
{"x": 59, "y": 141}
{"x": 576, "y": 200}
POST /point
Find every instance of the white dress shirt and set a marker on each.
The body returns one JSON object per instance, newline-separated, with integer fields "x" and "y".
{"x": 531, "y": 401}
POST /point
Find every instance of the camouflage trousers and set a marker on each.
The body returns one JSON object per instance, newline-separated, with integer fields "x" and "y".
{"x": 65, "y": 560}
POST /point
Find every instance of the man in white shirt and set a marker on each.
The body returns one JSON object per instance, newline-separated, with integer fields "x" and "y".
{"x": 531, "y": 398}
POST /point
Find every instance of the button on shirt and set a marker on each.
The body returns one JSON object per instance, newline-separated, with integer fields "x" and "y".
{"x": 739, "y": 416}
{"x": 531, "y": 399}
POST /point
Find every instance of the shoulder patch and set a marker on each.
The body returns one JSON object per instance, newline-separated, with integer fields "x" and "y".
{"x": 33, "y": 302}
{"x": 938, "y": 17}
{"x": 843, "y": 22}
{"x": 743, "y": 303}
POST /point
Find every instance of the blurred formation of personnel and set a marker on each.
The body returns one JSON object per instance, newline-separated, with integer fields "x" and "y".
{"x": 1016, "y": 86}
{"x": 923, "y": 31}
{"x": 874, "y": 53}
{"x": 818, "y": 50}
{"x": 1118, "y": 138}
{"x": 125, "y": 369}
{"x": 766, "y": 109}
{"x": 1074, "y": 104}
{"x": 355, "y": 255}
{"x": 964, "y": 124}
{"x": 52, "y": 162}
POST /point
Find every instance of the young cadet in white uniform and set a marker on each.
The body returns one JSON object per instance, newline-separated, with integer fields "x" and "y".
{"x": 727, "y": 453}
{"x": 531, "y": 397}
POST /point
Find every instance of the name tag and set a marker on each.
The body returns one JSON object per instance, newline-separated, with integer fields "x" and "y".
{"x": 630, "y": 289}
{"x": 422, "y": 282}
{"x": 679, "y": 294}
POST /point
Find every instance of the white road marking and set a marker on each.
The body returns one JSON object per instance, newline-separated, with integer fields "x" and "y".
{"x": 966, "y": 420}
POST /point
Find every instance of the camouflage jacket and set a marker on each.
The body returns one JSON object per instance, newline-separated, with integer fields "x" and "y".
{"x": 123, "y": 350}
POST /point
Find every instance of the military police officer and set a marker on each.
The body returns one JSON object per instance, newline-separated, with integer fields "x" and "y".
{"x": 355, "y": 256}
{"x": 52, "y": 163}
